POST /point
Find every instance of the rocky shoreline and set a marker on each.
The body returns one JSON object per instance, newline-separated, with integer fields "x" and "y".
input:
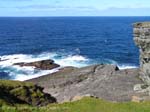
{"x": 100, "y": 81}
{"x": 104, "y": 81}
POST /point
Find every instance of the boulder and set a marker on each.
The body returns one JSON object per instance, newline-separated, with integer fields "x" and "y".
{"x": 42, "y": 65}
{"x": 137, "y": 99}
{"x": 76, "y": 98}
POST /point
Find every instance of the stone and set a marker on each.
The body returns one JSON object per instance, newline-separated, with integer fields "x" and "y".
{"x": 76, "y": 98}
{"x": 142, "y": 40}
{"x": 140, "y": 97}
{"x": 79, "y": 97}
{"x": 42, "y": 65}
{"x": 101, "y": 81}
{"x": 137, "y": 99}
{"x": 140, "y": 87}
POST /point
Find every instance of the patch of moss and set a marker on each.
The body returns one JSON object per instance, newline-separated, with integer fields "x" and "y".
{"x": 142, "y": 24}
{"x": 37, "y": 94}
{"x": 3, "y": 102}
{"x": 13, "y": 84}
{"x": 20, "y": 91}
{"x": 144, "y": 86}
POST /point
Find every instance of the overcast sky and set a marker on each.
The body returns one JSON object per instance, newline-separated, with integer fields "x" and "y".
{"x": 74, "y": 7}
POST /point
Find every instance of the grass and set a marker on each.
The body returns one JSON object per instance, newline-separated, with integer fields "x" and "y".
{"x": 11, "y": 89}
{"x": 15, "y": 92}
{"x": 15, "y": 83}
{"x": 85, "y": 105}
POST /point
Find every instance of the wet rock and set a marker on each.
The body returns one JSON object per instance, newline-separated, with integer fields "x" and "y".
{"x": 42, "y": 65}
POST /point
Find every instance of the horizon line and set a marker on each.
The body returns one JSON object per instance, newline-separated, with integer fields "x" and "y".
{"x": 72, "y": 16}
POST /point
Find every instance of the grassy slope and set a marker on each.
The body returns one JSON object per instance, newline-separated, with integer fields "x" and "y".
{"x": 84, "y": 105}
{"x": 15, "y": 92}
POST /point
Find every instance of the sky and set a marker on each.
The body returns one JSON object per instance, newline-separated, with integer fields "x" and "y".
{"x": 74, "y": 7}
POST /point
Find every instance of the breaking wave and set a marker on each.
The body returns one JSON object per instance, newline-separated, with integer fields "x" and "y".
{"x": 24, "y": 73}
{"x": 10, "y": 71}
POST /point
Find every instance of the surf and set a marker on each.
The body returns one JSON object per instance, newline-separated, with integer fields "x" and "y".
{"x": 16, "y": 72}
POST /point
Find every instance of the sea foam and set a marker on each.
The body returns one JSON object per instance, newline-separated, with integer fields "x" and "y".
{"x": 24, "y": 73}
{"x": 63, "y": 59}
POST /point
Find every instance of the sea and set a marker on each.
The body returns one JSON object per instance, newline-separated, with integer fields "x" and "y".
{"x": 69, "y": 41}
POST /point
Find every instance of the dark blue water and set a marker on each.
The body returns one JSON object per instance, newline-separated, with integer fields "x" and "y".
{"x": 98, "y": 39}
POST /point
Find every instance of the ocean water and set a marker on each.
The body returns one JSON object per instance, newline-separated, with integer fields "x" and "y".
{"x": 69, "y": 41}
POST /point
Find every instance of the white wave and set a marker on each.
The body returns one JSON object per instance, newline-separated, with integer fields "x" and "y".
{"x": 121, "y": 66}
{"x": 76, "y": 58}
{"x": 16, "y": 58}
{"x": 73, "y": 60}
{"x": 110, "y": 61}
{"x": 24, "y": 73}
{"x": 63, "y": 60}
{"x": 126, "y": 66}
{"x": 23, "y": 77}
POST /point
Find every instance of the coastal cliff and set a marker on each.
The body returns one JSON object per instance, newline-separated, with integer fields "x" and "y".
{"x": 142, "y": 40}
{"x": 104, "y": 81}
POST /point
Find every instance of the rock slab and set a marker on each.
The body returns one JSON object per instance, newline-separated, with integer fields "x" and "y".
{"x": 42, "y": 65}
{"x": 100, "y": 81}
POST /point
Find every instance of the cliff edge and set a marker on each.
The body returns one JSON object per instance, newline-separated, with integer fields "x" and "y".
{"x": 142, "y": 40}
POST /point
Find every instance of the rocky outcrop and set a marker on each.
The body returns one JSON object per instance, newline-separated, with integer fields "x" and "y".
{"x": 100, "y": 81}
{"x": 15, "y": 92}
{"x": 42, "y": 65}
{"x": 142, "y": 40}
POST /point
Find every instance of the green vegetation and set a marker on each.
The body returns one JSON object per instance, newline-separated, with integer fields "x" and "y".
{"x": 18, "y": 96}
{"x": 84, "y": 105}
{"x": 13, "y": 84}
{"x": 15, "y": 92}
{"x": 142, "y": 24}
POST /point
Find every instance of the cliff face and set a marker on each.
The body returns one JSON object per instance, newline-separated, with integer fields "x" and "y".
{"x": 142, "y": 40}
